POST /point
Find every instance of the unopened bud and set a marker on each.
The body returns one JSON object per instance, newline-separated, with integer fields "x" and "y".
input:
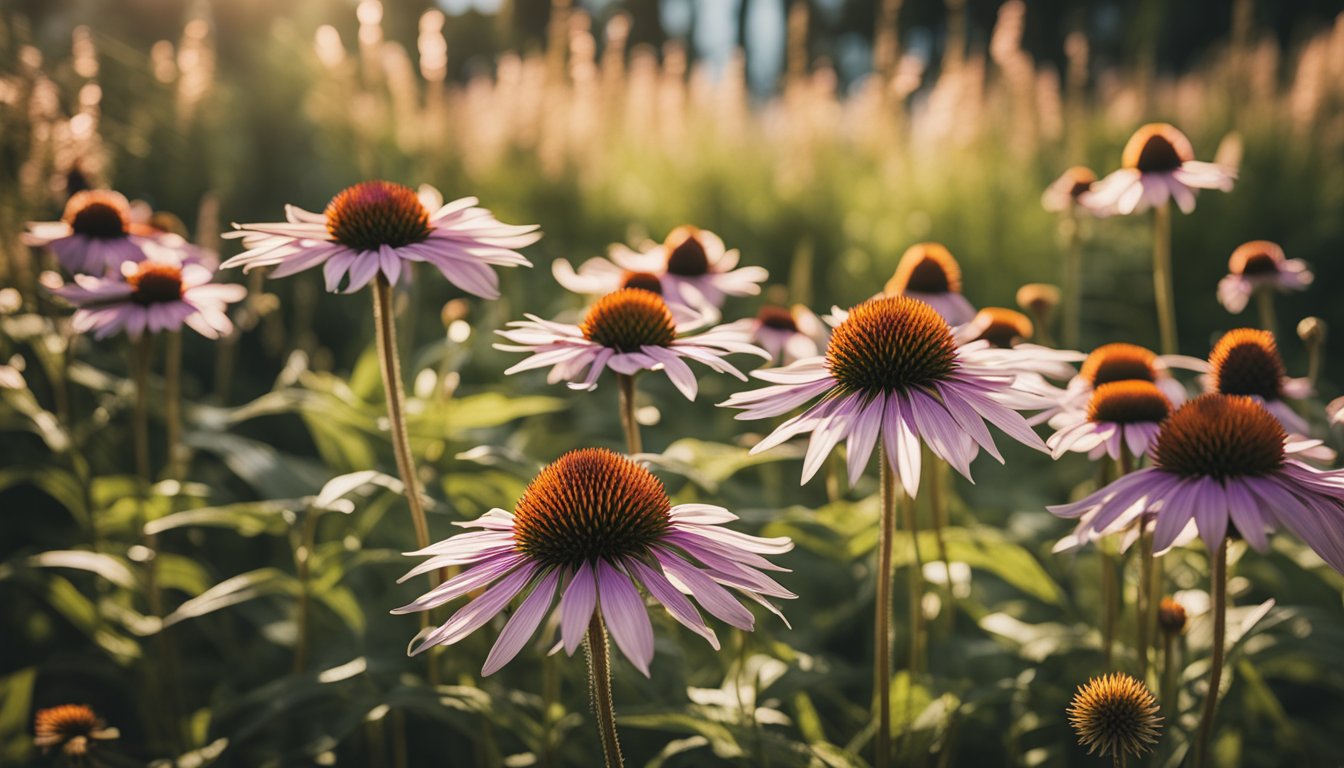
{"x": 1171, "y": 616}
{"x": 1039, "y": 299}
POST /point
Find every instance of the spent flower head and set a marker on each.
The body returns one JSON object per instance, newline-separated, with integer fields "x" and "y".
{"x": 1116, "y": 716}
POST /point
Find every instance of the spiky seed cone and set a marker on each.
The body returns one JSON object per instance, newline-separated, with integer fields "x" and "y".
{"x": 1115, "y": 715}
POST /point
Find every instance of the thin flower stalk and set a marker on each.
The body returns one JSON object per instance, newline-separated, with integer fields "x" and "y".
{"x": 1163, "y": 291}
{"x": 629, "y": 424}
{"x": 599, "y": 684}
{"x": 172, "y": 404}
{"x": 1219, "y": 589}
{"x": 882, "y": 613}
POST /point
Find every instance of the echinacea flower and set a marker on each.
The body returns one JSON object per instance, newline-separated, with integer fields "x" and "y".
{"x": 1158, "y": 165}
{"x": 1246, "y": 361}
{"x": 928, "y": 272}
{"x": 1223, "y": 462}
{"x": 787, "y": 333}
{"x": 1115, "y": 715}
{"x": 1120, "y": 415}
{"x": 893, "y": 371}
{"x": 94, "y": 236}
{"x": 71, "y": 729}
{"x": 380, "y": 228}
{"x": 692, "y": 268}
{"x": 628, "y": 331}
{"x": 1001, "y": 327}
{"x": 1123, "y": 362}
{"x": 1260, "y": 265}
{"x": 1063, "y": 193}
{"x": 594, "y": 527}
{"x": 156, "y": 295}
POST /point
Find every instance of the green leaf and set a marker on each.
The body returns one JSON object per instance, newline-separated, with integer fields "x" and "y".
{"x": 235, "y": 590}
{"x": 273, "y": 517}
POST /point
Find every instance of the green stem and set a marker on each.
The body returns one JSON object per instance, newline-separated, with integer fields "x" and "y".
{"x": 915, "y": 585}
{"x": 1169, "y": 694}
{"x": 1219, "y": 588}
{"x": 882, "y": 622}
{"x": 172, "y": 403}
{"x": 394, "y": 392}
{"x": 1162, "y": 282}
{"x": 1143, "y": 597}
{"x": 1073, "y": 280}
{"x": 939, "y": 508}
{"x": 141, "y": 354}
{"x": 1264, "y": 300}
{"x": 599, "y": 678}
{"x": 303, "y": 555}
{"x": 633, "y": 444}
{"x": 1108, "y": 600}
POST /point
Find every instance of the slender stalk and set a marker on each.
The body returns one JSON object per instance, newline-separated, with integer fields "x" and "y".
{"x": 1169, "y": 694}
{"x": 882, "y": 623}
{"x": 915, "y": 586}
{"x": 1162, "y": 283}
{"x": 937, "y": 504}
{"x": 172, "y": 403}
{"x": 626, "y": 383}
{"x": 1219, "y": 588}
{"x": 303, "y": 555}
{"x": 1264, "y": 300}
{"x": 1108, "y": 607}
{"x": 1073, "y": 279}
{"x": 140, "y": 355}
{"x": 599, "y": 678}
{"x": 394, "y": 392}
{"x": 1143, "y": 597}
{"x": 550, "y": 694}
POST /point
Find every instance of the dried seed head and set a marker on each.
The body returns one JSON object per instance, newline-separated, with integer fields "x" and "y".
{"x": 686, "y": 254}
{"x": 1003, "y": 327}
{"x": 1119, "y": 362}
{"x": 891, "y": 343}
{"x": 98, "y": 213}
{"x": 925, "y": 268}
{"x": 1246, "y": 361}
{"x": 1258, "y": 257}
{"x": 373, "y": 214}
{"x": 155, "y": 282}
{"x": 1157, "y": 148}
{"x": 1115, "y": 715}
{"x": 590, "y": 503}
{"x": 628, "y": 319}
{"x": 1128, "y": 402}
{"x": 1220, "y": 436}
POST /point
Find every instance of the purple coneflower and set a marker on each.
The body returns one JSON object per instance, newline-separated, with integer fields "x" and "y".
{"x": 1158, "y": 165}
{"x": 893, "y": 370}
{"x": 72, "y": 730}
{"x": 1223, "y": 460}
{"x": 1120, "y": 416}
{"x": 594, "y": 527}
{"x": 628, "y": 331}
{"x": 95, "y": 236}
{"x": 787, "y": 333}
{"x": 155, "y": 296}
{"x": 928, "y": 272}
{"x": 1123, "y": 362}
{"x": 1063, "y": 193}
{"x": 691, "y": 268}
{"x": 378, "y": 227}
{"x": 1246, "y": 361}
{"x": 1259, "y": 267}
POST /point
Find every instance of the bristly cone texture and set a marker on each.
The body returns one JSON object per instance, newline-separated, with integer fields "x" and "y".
{"x": 590, "y": 503}
{"x": 1115, "y": 715}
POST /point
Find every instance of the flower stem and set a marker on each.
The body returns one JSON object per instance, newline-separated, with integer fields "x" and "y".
{"x": 1108, "y": 600}
{"x": 303, "y": 556}
{"x": 937, "y": 503}
{"x": 172, "y": 403}
{"x": 882, "y": 622}
{"x": 599, "y": 680}
{"x": 1073, "y": 280}
{"x": 1163, "y": 291}
{"x": 915, "y": 586}
{"x": 1219, "y": 589}
{"x": 394, "y": 390}
{"x": 1264, "y": 300}
{"x": 141, "y": 354}
{"x": 1169, "y": 694}
{"x": 626, "y": 383}
{"x": 1143, "y": 597}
